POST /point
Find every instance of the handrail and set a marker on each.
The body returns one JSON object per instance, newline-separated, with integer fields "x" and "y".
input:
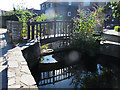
{"x": 43, "y": 29}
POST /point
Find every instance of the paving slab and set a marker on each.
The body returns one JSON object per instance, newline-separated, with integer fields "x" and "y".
{"x": 14, "y": 87}
{"x": 23, "y": 63}
{"x": 27, "y": 79}
{"x": 11, "y": 73}
{"x": 11, "y": 81}
{"x": 12, "y": 64}
{"x": 25, "y": 69}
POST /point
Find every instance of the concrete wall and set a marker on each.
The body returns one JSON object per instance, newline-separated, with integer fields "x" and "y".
{"x": 32, "y": 54}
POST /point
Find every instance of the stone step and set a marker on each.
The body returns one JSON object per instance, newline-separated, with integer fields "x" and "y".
{"x": 110, "y": 48}
{"x": 111, "y": 35}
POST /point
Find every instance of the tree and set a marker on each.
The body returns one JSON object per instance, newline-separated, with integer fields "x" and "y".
{"x": 116, "y": 10}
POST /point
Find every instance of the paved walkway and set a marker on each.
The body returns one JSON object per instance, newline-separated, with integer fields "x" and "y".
{"x": 111, "y": 43}
{"x": 4, "y": 47}
{"x": 14, "y": 71}
{"x": 111, "y": 32}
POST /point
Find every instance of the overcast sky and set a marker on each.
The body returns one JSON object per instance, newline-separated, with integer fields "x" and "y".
{"x": 8, "y": 4}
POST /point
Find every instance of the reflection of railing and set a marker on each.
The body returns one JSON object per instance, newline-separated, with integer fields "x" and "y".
{"x": 51, "y": 77}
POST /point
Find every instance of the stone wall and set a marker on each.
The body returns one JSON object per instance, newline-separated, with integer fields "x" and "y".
{"x": 3, "y": 20}
{"x": 14, "y": 30}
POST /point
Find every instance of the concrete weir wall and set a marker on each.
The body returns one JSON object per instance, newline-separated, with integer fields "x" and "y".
{"x": 19, "y": 65}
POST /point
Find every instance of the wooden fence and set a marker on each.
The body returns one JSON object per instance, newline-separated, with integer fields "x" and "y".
{"x": 49, "y": 29}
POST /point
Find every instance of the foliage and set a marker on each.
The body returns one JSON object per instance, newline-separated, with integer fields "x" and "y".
{"x": 107, "y": 8}
{"x": 44, "y": 47}
{"x": 103, "y": 77}
{"x": 117, "y": 28}
{"x": 85, "y": 26}
{"x": 116, "y": 8}
{"x": 24, "y": 16}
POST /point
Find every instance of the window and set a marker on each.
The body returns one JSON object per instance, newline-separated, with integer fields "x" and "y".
{"x": 50, "y": 4}
{"x": 69, "y": 13}
{"x": 43, "y": 6}
{"x": 69, "y": 3}
{"x": 47, "y": 5}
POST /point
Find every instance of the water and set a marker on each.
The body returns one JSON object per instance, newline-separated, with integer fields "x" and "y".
{"x": 100, "y": 72}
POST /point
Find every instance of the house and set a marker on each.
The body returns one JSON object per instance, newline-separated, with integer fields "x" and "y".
{"x": 65, "y": 10}
{"x": 3, "y": 12}
{"x": 35, "y": 11}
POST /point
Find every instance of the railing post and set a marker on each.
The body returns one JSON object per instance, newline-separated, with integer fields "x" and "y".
{"x": 37, "y": 31}
{"x": 28, "y": 24}
{"x": 48, "y": 30}
{"x": 40, "y": 31}
{"x": 65, "y": 30}
{"x": 71, "y": 29}
{"x": 32, "y": 30}
{"x": 55, "y": 28}
{"x": 63, "y": 27}
{"x": 44, "y": 31}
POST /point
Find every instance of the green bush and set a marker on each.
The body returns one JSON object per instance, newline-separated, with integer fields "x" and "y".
{"x": 117, "y": 28}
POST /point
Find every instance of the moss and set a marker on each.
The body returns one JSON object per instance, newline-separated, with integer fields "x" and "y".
{"x": 117, "y": 28}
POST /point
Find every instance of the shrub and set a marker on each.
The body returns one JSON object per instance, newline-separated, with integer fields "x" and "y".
{"x": 117, "y": 28}
{"x": 85, "y": 25}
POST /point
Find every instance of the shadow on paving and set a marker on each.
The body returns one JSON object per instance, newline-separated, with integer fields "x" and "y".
{"x": 113, "y": 38}
{"x": 5, "y": 46}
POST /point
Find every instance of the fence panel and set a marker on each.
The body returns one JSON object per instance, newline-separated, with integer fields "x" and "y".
{"x": 49, "y": 29}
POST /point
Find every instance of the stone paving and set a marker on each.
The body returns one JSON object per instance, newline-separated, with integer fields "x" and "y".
{"x": 4, "y": 46}
{"x": 13, "y": 66}
{"x": 19, "y": 74}
{"x": 111, "y": 43}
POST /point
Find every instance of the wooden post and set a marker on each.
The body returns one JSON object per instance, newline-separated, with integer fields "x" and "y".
{"x": 63, "y": 28}
{"x": 33, "y": 31}
{"x": 48, "y": 28}
{"x": 66, "y": 30}
{"x": 54, "y": 28}
{"x": 40, "y": 31}
{"x": 72, "y": 28}
{"x": 28, "y": 24}
{"x": 37, "y": 31}
{"x": 44, "y": 31}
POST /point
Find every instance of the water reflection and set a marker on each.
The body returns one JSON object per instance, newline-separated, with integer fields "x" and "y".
{"x": 106, "y": 76}
{"x": 51, "y": 77}
{"x": 103, "y": 72}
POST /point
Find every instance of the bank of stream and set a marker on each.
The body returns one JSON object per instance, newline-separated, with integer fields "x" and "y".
{"x": 69, "y": 69}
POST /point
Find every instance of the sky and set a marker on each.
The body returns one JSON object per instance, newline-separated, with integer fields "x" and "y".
{"x": 8, "y": 4}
